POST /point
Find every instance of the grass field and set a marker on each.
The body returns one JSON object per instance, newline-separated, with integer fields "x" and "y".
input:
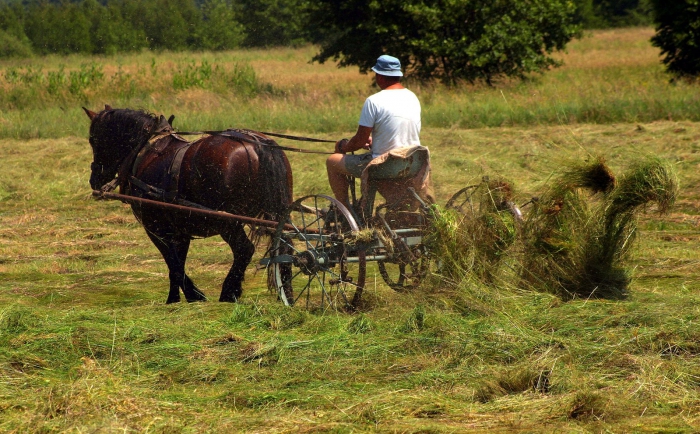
{"x": 608, "y": 76}
{"x": 88, "y": 345}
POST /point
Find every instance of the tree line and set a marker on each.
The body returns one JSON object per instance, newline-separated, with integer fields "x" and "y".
{"x": 451, "y": 40}
{"x": 108, "y": 27}
{"x": 92, "y": 27}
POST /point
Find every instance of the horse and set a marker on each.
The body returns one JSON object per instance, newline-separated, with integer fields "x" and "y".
{"x": 243, "y": 173}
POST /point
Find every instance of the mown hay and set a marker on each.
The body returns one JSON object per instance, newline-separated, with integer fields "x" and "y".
{"x": 472, "y": 234}
{"x": 578, "y": 236}
{"x": 651, "y": 180}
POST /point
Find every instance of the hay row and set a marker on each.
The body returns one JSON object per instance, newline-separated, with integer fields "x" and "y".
{"x": 574, "y": 240}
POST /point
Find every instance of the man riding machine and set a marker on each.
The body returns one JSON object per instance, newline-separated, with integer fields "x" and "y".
{"x": 389, "y": 128}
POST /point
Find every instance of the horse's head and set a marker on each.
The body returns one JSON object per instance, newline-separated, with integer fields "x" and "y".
{"x": 114, "y": 133}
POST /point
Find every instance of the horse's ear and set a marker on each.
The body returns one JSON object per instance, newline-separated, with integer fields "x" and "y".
{"x": 91, "y": 114}
{"x": 171, "y": 119}
{"x": 108, "y": 107}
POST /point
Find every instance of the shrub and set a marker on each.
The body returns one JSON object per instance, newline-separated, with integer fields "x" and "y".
{"x": 11, "y": 46}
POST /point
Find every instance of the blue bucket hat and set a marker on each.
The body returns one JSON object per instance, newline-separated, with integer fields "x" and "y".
{"x": 388, "y": 65}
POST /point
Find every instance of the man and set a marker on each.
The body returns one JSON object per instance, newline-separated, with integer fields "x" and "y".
{"x": 390, "y": 119}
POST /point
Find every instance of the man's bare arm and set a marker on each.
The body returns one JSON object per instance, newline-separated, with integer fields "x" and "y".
{"x": 360, "y": 140}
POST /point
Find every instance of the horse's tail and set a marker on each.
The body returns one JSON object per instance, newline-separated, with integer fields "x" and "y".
{"x": 276, "y": 181}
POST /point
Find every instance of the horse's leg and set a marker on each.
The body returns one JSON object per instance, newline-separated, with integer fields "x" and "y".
{"x": 192, "y": 293}
{"x": 174, "y": 250}
{"x": 243, "y": 250}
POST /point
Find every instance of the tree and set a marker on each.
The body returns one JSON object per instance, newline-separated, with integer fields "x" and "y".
{"x": 450, "y": 40}
{"x": 112, "y": 31}
{"x": 271, "y": 23}
{"x": 11, "y": 46}
{"x": 169, "y": 24}
{"x": 678, "y": 35}
{"x": 220, "y": 30}
{"x": 13, "y": 40}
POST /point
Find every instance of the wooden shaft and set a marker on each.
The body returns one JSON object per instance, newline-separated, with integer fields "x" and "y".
{"x": 219, "y": 215}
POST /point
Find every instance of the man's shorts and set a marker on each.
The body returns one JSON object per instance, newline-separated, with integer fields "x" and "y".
{"x": 355, "y": 164}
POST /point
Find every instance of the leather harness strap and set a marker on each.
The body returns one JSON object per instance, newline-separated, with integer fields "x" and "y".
{"x": 174, "y": 173}
{"x": 159, "y": 144}
{"x": 242, "y": 135}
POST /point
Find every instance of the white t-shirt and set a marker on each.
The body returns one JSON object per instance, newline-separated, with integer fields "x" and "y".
{"x": 394, "y": 116}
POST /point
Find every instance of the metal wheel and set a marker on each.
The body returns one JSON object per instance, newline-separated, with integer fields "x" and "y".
{"x": 405, "y": 274}
{"x": 462, "y": 200}
{"x": 466, "y": 204}
{"x": 315, "y": 258}
{"x": 406, "y": 259}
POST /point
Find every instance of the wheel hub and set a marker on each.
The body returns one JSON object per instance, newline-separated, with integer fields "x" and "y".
{"x": 311, "y": 261}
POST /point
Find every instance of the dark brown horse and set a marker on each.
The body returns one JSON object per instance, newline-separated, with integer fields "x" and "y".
{"x": 245, "y": 175}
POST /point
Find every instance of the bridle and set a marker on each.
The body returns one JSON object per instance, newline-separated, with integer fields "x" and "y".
{"x": 121, "y": 167}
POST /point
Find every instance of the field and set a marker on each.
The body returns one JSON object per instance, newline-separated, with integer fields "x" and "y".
{"x": 88, "y": 345}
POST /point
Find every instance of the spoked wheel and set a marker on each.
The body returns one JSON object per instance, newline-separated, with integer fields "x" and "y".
{"x": 462, "y": 200}
{"x": 315, "y": 259}
{"x": 471, "y": 200}
{"x": 406, "y": 273}
{"x": 407, "y": 259}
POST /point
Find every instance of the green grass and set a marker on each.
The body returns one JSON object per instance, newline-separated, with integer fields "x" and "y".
{"x": 607, "y": 77}
{"x": 87, "y": 343}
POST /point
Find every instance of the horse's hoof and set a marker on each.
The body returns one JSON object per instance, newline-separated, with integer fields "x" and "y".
{"x": 196, "y": 300}
{"x": 230, "y": 299}
{"x": 196, "y": 295}
{"x": 172, "y": 300}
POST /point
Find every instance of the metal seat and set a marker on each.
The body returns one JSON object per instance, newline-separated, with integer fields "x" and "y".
{"x": 394, "y": 170}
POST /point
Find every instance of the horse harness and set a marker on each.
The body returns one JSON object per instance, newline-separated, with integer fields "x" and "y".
{"x": 158, "y": 143}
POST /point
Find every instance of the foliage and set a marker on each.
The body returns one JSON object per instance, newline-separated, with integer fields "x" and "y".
{"x": 598, "y": 14}
{"x": 45, "y": 26}
{"x": 131, "y": 25}
{"x": 112, "y": 28}
{"x": 219, "y": 30}
{"x": 677, "y": 35}
{"x": 270, "y": 23}
{"x": 449, "y": 40}
{"x": 11, "y": 46}
{"x": 609, "y": 77}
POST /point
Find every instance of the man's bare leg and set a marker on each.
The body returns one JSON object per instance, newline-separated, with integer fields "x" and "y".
{"x": 337, "y": 178}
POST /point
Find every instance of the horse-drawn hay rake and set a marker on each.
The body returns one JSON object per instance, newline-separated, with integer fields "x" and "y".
{"x": 319, "y": 253}
{"x": 320, "y": 249}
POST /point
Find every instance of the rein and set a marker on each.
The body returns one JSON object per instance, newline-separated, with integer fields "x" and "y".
{"x": 262, "y": 142}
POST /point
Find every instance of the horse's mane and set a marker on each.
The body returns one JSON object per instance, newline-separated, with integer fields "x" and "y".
{"x": 132, "y": 127}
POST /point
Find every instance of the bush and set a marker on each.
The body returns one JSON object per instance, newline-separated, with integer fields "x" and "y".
{"x": 10, "y": 46}
{"x": 677, "y": 35}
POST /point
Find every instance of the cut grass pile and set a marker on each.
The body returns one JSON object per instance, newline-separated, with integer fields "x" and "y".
{"x": 471, "y": 234}
{"x": 576, "y": 237}
{"x": 579, "y": 234}
{"x": 87, "y": 343}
